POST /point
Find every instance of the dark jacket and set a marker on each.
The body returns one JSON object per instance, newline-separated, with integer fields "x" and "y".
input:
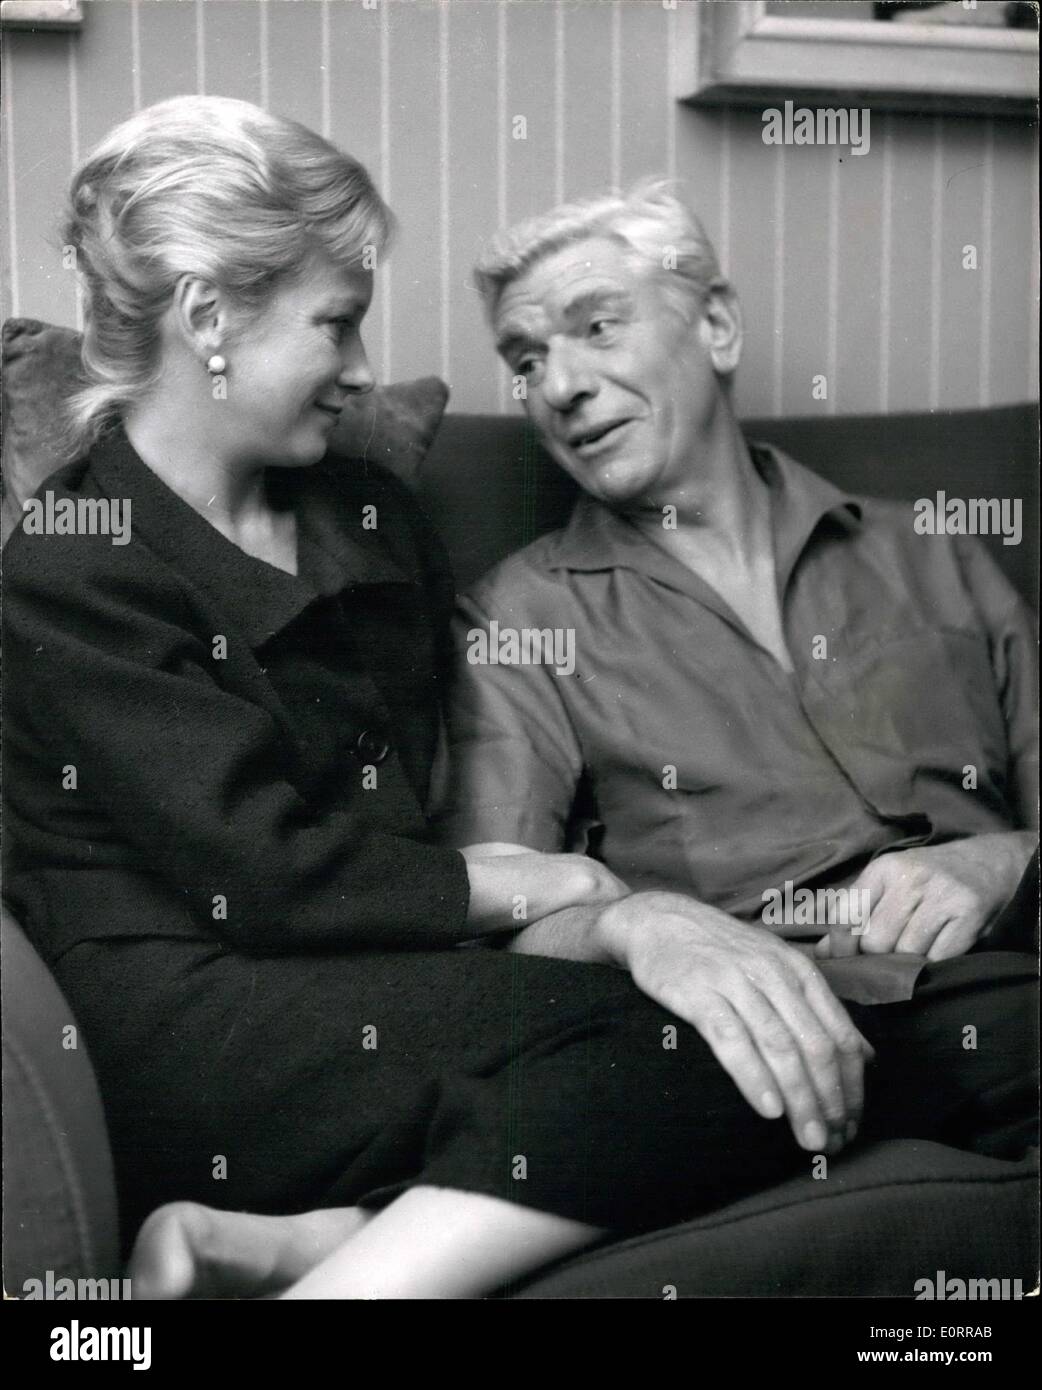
{"x": 267, "y": 788}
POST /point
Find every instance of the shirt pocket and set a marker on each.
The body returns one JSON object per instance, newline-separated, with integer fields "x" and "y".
{"x": 932, "y": 697}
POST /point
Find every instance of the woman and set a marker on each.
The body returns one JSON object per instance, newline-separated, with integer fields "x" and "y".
{"x": 218, "y": 743}
{"x": 219, "y": 739}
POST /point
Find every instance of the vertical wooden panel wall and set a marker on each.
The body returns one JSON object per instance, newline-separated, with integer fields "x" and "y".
{"x": 852, "y": 267}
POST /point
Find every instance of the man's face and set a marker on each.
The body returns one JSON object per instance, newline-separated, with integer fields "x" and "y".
{"x": 621, "y": 389}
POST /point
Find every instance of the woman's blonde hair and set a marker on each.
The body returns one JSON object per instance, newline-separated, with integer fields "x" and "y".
{"x": 658, "y": 230}
{"x": 205, "y": 186}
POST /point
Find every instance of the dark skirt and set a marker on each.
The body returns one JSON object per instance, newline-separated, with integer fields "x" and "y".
{"x": 279, "y": 1084}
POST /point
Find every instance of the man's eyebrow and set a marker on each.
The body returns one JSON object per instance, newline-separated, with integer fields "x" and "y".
{"x": 513, "y": 338}
{"x": 606, "y": 298}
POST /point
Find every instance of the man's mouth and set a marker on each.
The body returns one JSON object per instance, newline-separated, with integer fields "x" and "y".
{"x": 596, "y": 437}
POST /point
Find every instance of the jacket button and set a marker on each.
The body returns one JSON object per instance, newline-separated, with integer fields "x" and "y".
{"x": 371, "y": 747}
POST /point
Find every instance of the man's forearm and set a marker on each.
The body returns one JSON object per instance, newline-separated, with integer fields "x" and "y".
{"x": 600, "y": 933}
{"x": 572, "y": 934}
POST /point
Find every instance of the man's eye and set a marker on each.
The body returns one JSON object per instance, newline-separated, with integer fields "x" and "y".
{"x": 602, "y": 328}
{"x": 529, "y": 367}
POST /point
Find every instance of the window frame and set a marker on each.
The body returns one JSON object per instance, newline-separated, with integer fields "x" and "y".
{"x": 745, "y": 54}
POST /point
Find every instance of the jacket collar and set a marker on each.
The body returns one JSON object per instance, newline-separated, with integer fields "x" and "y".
{"x": 596, "y": 538}
{"x": 335, "y": 553}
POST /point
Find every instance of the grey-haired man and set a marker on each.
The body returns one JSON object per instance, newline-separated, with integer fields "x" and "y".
{"x": 777, "y": 687}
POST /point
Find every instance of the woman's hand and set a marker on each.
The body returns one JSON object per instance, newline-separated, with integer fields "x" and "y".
{"x": 766, "y": 1011}
{"x": 511, "y": 885}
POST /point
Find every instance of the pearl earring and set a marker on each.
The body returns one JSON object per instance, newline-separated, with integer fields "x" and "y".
{"x": 216, "y": 365}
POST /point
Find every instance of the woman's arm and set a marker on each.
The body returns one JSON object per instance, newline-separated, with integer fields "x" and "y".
{"x": 190, "y": 781}
{"x": 537, "y": 889}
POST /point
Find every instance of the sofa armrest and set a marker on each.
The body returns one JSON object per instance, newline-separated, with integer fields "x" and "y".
{"x": 59, "y": 1197}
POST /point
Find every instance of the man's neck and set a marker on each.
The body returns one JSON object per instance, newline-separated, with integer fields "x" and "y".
{"x": 721, "y": 514}
{"x": 722, "y": 533}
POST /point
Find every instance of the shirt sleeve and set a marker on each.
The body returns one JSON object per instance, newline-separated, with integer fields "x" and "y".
{"x": 193, "y": 779}
{"x": 1013, "y": 641}
{"x": 514, "y": 760}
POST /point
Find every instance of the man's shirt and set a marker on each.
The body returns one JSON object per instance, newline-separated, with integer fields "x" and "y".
{"x": 693, "y": 760}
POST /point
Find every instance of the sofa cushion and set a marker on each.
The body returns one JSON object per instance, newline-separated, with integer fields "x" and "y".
{"x": 41, "y": 369}
{"x": 393, "y": 425}
{"x": 887, "y": 1216}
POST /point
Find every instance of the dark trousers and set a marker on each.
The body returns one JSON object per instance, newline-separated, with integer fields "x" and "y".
{"x": 616, "y": 1129}
{"x": 248, "y": 1084}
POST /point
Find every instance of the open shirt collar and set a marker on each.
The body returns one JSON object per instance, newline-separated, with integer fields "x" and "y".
{"x": 596, "y": 538}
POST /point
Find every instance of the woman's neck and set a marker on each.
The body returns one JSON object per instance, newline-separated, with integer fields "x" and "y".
{"x": 169, "y": 440}
{"x": 229, "y": 493}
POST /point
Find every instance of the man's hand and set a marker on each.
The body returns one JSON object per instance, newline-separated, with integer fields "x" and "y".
{"x": 938, "y": 900}
{"x": 764, "y": 1008}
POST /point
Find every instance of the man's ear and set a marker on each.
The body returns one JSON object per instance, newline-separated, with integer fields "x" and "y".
{"x": 200, "y": 315}
{"x": 722, "y": 327}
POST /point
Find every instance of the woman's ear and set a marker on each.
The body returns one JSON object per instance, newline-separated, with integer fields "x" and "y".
{"x": 722, "y": 327}
{"x": 199, "y": 315}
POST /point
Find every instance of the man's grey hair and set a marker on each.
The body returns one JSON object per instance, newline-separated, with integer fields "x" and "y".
{"x": 659, "y": 231}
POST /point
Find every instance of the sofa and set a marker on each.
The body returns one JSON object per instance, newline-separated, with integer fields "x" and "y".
{"x": 887, "y": 1214}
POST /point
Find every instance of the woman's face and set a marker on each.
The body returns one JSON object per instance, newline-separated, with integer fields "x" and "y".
{"x": 292, "y": 367}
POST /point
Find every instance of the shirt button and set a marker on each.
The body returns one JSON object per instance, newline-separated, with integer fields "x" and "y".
{"x": 372, "y": 747}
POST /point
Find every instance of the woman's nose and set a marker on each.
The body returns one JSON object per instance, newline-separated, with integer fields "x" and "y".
{"x": 355, "y": 373}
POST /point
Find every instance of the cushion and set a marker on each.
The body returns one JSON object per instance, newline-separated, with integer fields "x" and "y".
{"x": 41, "y": 368}
{"x": 393, "y": 425}
{"x": 887, "y": 1216}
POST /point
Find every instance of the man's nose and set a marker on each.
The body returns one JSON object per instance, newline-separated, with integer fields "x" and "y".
{"x": 355, "y": 375}
{"x": 568, "y": 378}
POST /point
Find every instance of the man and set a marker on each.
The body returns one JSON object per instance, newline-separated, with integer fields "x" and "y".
{"x": 777, "y": 688}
